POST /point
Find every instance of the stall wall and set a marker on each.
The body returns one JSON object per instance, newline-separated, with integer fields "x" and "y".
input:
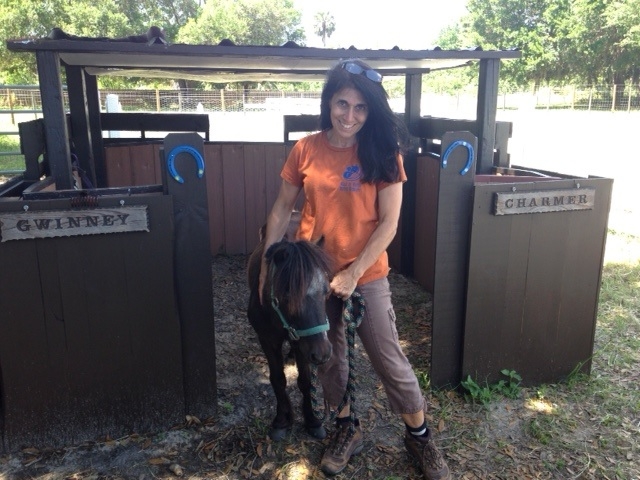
{"x": 89, "y": 332}
{"x": 243, "y": 180}
{"x": 533, "y": 284}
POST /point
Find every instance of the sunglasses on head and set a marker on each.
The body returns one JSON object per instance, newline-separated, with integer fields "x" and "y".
{"x": 358, "y": 70}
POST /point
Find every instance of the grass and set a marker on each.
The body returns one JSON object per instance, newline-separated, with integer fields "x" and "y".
{"x": 10, "y": 143}
{"x": 587, "y": 426}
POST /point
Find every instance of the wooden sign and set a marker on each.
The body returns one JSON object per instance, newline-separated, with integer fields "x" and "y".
{"x": 544, "y": 201}
{"x": 67, "y": 223}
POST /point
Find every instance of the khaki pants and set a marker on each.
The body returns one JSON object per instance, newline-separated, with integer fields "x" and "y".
{"x": 379, "y": 337}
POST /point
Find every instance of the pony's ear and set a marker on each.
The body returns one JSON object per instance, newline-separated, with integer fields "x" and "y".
{"x": 278, "y": 252}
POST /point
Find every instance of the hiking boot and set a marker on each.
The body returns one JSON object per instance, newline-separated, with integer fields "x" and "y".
{"x": 345, "y": 442}
{"x": 424, "y": 451}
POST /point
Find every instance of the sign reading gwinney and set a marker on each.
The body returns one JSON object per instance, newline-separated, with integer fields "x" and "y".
{"x": 544, "y": 201}
{"x": 67, "y": 223}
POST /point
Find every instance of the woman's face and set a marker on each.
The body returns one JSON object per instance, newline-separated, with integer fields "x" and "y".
{"x": 349, "y": 111}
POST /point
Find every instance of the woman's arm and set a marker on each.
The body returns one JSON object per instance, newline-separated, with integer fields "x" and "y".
{"x": 389, "y": 204}
{"x": 277, "y": 222}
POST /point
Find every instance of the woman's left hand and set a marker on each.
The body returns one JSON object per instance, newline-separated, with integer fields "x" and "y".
{"x": 343, "y": 284}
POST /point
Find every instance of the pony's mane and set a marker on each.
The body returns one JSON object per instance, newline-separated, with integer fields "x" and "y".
{"x": 293, "y": 267}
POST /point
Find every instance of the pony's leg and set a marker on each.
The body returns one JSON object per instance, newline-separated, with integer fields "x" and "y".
{"x": 284, "y": 413}
{"x": 312, "y": 424}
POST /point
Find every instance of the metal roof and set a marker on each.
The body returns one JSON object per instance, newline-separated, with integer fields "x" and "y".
{"x": 226, "y": 62}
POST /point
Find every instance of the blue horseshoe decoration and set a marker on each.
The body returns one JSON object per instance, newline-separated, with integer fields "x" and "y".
{"x": 459, "y": 143}
{"x": 171, "y": 161}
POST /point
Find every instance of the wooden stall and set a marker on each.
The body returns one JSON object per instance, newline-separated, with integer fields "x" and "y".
{"x": 503, "y": 284}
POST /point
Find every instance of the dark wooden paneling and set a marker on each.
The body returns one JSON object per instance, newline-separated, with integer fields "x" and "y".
{"x": 255, "y": 212}
{"x": 79, "y": 120}
{"x": 117, "y": 161}
{"x": 89, "y": 336}
{"x": 533, "y": 286}
{"x": 145, "y": 164}
{"x": 451, "y": 261}
{"x": 55, "y": 122}
{"x": 427, "y": 178}
{"x": 486, "y": 112}
{"x": 215, "y": 193}
{"x": 194, "y": 288}
{"x": 234, "y": 198}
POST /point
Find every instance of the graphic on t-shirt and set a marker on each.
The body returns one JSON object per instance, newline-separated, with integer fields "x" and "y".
{"x": 351, "y": 179}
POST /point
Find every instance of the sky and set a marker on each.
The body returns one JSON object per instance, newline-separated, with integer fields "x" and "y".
{"x": 408, "y": 24}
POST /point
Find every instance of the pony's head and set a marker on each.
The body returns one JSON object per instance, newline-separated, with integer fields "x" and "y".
{"x": 296, "y": 289}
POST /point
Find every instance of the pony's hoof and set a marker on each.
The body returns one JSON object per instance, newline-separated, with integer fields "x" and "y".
{"x": 317, "y": 432}
{"x": 278, "y": 434}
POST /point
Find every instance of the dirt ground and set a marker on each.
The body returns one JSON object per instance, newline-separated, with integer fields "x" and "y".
{"x": 478, "y": 442}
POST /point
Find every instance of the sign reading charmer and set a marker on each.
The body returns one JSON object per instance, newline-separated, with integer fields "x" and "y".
{"x": 67, "y": 223}
{"x": 544, "y": 201}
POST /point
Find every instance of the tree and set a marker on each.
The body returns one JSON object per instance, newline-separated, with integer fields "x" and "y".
{"x": 245, "y": 22}
{"x": 324, "y": 26}
{"x": 105, "y": 18}
{"x": 604, "y": 40}
{"x": 536, "y": 27}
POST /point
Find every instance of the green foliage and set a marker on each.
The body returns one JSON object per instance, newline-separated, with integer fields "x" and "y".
{"x": 106, "y": 18}
{"x": 588, "y": 41}
{"x": 509, "y": 387}
{"x": 423, "y": 379}
{"x": 244, "y": 22}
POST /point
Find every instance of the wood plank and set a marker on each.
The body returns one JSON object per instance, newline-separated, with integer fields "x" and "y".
{"x": 427, "y": 179}
{"x": 215, "y": 197}
{"x": 143, "y": 164}
{"x": 451, "y": 263}
{"x": 255, "y": 214}
{"x": 234, "y": 198}
{"x": 194, "y": 289}
{"x": 118, "y": 166}
{"x": 275, "y": 156}
{"x": 486, "y": 112}
{"x": 55, "y": 122}
{"x": 79, "y": 120}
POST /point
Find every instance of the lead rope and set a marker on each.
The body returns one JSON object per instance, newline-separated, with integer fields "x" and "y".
{"x": 352, "y": 322}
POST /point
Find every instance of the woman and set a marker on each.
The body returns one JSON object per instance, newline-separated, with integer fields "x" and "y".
{"x": 352, "y": 175}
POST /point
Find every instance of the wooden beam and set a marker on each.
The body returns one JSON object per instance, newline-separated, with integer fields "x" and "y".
{"x": 55, "y": 122}
{"x": 95, "y": 130}
{"x": 486, "y": 113}
{"x": 80, "y": 127}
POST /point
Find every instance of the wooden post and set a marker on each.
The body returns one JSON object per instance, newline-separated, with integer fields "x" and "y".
{"x": 55, "y": 119}
{"x": 194, "y": 288}
{"x": 453, "y": 224}
{"x": 222, "y": 107}
{"x": 13, "y": 118}
{"x": 486, "y": 113}
{"x": 613, "y": 97}
{"x": 157, "y": 100}
{"x": 80, "y": 121}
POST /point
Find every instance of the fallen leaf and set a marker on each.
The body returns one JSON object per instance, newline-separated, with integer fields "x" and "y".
{"x": 176, "y": 469}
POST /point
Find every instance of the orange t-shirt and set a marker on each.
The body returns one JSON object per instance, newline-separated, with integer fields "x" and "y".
{"x": 337, "y": 204}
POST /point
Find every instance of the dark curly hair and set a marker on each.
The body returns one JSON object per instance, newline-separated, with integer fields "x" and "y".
{"x": 383, "y": 134}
